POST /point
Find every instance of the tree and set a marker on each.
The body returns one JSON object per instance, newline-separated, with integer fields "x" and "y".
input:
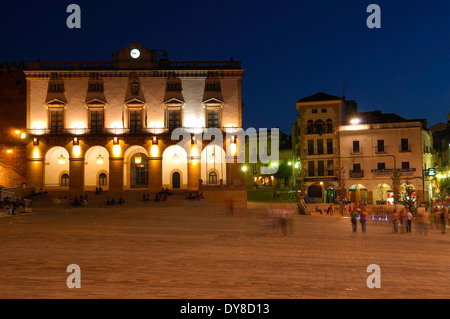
{"x": 396, "y": 175}
{"x": 284, "y": 172}
{"x": 409, "y": 200}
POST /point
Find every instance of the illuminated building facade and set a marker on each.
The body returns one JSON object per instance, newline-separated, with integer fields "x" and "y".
{"x": 109, "y": 124}
{"x": 341, "y": 149}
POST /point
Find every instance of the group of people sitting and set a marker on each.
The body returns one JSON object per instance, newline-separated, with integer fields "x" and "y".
{"x": 78, "y": 201}
{"x": 194, "y": 195}
{"x": 9, "y": 204}
{"x": 159, "y": 196}
{"x": 99, "y": 190}
{"x": 112, "y": 201}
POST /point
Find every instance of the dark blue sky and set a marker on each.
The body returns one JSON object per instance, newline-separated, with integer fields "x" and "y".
{"x": 289, "y": 49}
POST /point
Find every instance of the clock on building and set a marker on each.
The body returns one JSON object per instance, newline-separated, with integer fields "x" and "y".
{"x": 135, "y": 53}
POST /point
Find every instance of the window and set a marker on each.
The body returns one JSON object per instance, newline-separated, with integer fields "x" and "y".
{"x": 357, "y": 167}
{"x": 65, "y": 180}
{"x": 213, "y": 118}
{"x": 404, "y": 146}
{"x": 54, "y": 87}
{"x": 173, "y": 87}
{"x": 355, "y": 148}
{"x": 174, "y": 119}
{"x": 310, "y": 147}
{"x": 310, "y": 127}
{"x": 320, "y": 168}
{"x": 405, "y": 165}
{"x": 102, "y": 180}
{"x": 95, "y": 87}
{"x": 56, "y": 121}
{"x": 319, "y": 147}
{"x": 96, "y": 121}
{"x": 330, "y": 146}
{"x": 329, "y": 126}
{"x": 314, "y": 111}
{"x": 320, "y": 126}
{"x": 330, "y": 167}
{"x": 212, "y": 87}
{"x": 135, "y": 121}
{"x": 323, "y": 110}
{"x": 311, "y": 168}
{"x": 213, "y": 178}
{"x": 380, "y": 146}
{"x": 381, "y": 166}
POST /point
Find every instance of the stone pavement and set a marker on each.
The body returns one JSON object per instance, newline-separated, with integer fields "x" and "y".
{"x": 191, "y": 249}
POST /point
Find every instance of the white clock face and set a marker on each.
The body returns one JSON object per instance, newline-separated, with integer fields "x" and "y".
{"x": 135, "y": 53}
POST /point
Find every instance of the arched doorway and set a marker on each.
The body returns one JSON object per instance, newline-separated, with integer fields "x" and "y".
{"x": 176, "y": 180}
{"x": 213, "y": 160}
{"x": 136, "y": 168}
{"x": 56, "y": 168}
{"x": 382, "y": 194}
{"x": 96, "y": 163}
{"x": 330, "y": 194}
{"x": 174, "y": 167}
{"x": 358, "y": 192}
{"x": 139, "y": 171}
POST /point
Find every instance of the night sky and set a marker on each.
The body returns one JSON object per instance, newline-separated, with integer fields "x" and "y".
{"x": 289, "y": 49}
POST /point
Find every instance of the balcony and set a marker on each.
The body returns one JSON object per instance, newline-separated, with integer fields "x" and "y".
{"x": 380, "y": 149}
{"x": 404, "y": 148}
{"x": 357, "y": 173}
{"x": 388, "y": 172}
{"x": 320, "y": 173}
{"x": 356, "y": 150}
{"x": 325, "y": 151}
{"x": 314, "y": 130}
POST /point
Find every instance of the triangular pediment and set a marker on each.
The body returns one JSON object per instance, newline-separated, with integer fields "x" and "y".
{"x": 135, "y": 102}
{"x": 56, "y": 103}
{"x": 173, "y": 102}
{"x": 96, "y": 103}
{"x": 213, "y": 102}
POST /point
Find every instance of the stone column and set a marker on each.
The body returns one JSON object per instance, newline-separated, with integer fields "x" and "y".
{"x": 76, "y": 182}
{"x": 194, "y": 174}
{"x": 35, "y": 173}
{"x": 154, "y": 174}
{"x": 116, "y": 174}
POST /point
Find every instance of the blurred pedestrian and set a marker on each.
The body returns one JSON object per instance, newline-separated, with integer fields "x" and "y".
{"x": 395, "y": 221}
{"x": 408, "y": 217}
{"x": 354, "y": 219}
{"x": 363, "y": 219}
{"x": 443, "y": 219}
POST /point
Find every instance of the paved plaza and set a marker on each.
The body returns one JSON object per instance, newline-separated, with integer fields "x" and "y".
{"x": 192, "y": 249}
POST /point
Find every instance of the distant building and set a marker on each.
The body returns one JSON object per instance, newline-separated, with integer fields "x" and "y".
{"x": 441, "y": 137}
{"x": 357, "y": 152}
{"x": 13, "y": 107}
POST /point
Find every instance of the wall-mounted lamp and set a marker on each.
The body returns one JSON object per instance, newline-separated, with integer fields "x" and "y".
{"x": 192, "y": 139}
{"x": 76, "y": 141}
{"x": 115, "y": 141}
{"x": 155, "y": 140}
{"x": 9, "y": 151}
{"x": 35, "y": 141}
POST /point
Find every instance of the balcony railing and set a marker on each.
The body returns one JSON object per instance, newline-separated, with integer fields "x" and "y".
{"x": 314, "y": 130}
{"x": 388, "y": 172}
{"x": 380, "y": 149}
{"x": 325, "y": 151}
{"x": 356, "y": 173}
{"x": 404, "y": 148}
{"x": 356, "y": 150}
{"x": 115, "y": 131}
{"x": 320, "y": 173}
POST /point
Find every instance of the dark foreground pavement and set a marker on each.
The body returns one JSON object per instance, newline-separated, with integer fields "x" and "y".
{"x": 184, "y": 249}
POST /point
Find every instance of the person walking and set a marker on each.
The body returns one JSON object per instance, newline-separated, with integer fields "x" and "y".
{"x": 443, "y": 218}
{"x": 395, "y": 221}
{"x": 363, "y": 219}
{"x": 408, "y": 218}
{"x": 354, "y": 218}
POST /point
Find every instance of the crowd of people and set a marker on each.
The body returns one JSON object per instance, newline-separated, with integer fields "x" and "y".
{"x": 160, "y": 196}
{"x": 194, "y": 196}
{"x": 10, "y": 204}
